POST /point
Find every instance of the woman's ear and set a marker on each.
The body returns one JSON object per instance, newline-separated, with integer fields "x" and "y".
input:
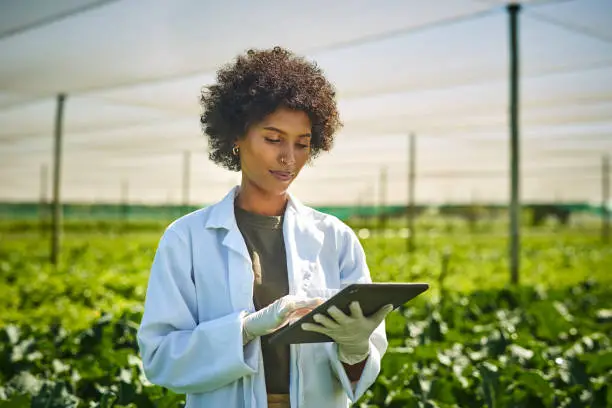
{"x": 236, "y": 144}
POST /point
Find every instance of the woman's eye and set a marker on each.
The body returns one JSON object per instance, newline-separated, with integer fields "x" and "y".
{"x": 272, "y": 140}
{"x": 301, "y": 146}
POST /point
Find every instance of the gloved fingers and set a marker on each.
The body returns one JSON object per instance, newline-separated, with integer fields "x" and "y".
{"x": 339, "y": 316}
{"x": 296, "y": 315}
{"x": 356, "y": 312}
{"x": 325, "y": 321}
{"x": 304, "y": 303}
{"x": 315, "y": 328}
{"x": 299, "y": 313}
{"x": 296, "y": 303}
{"x": 381, "y": 313}
{"x": 353, "y": 356}
{"x": 310, "y": 303}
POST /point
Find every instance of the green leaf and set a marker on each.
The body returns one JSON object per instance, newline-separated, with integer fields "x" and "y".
{"x": 17, "y": 401}
{"x": 402, "y": 399}
{"x": 534, "y": 381}
{"x": 549, "y": 323}
{"x": 598, "y": 363}
{"x": 442, "y": 390}
{"x": 107, "y": 400}
{"x": 490, "y": 383}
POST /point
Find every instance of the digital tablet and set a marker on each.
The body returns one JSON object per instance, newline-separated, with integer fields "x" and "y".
{"x": 371, "y": 297}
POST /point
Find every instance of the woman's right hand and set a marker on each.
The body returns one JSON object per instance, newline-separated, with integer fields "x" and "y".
{"x": 276, "y": 315}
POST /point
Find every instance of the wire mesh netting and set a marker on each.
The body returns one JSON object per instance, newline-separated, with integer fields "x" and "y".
{"x": 439, "y": 70}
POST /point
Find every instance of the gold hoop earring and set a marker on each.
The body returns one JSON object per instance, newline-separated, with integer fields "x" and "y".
{"x": 235, "y": 150}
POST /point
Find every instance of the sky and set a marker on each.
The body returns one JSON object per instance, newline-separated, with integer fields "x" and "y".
{"x": 438, "y": 70}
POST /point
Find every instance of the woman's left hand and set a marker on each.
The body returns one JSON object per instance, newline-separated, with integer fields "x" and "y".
{"x": 351, "y": 333}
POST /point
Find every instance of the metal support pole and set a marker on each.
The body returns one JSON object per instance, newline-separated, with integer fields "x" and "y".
{"x": 515, "y": 206}
{"x": 42, "y": 207}
{"x": 605, "y": 202}
{"x": 57, "y": 171}
{"x": 410, "y": 241}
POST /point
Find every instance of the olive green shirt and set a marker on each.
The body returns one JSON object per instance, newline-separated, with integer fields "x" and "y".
{"x": 263, "y": 236}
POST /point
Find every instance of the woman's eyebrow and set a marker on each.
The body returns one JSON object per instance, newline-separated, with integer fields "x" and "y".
{"x": 282, "y": 132}
{"x": 273, "y": 129}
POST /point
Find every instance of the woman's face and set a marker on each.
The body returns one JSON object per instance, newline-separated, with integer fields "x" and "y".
{"x": 273, "y": 151}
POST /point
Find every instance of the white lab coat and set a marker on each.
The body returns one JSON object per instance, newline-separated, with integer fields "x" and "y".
{"x": 201, "y": 282}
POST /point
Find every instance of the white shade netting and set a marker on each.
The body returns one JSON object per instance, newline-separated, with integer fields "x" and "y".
{"x": 133, "y": 73}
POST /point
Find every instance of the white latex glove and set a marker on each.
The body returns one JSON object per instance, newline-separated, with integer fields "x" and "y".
{"x": 276, "y": 315}
{"x": 351, "y": 333}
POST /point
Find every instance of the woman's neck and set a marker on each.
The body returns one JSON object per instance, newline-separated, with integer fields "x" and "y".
{"x": 253, "y": 199}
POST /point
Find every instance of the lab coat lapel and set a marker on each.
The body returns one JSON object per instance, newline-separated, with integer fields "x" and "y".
{"x": 303, "y": 242}
{"x": 240, "y": 271}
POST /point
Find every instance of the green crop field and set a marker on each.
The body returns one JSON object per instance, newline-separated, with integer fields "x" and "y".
{"x": 67, "y": 335}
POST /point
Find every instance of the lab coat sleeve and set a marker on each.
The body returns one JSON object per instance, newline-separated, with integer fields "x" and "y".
{"x": 178, "y": 352}
{"x": 354, "y": 269}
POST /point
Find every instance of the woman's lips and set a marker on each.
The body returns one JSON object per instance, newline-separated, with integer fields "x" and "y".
{"x": 282, "y": 175}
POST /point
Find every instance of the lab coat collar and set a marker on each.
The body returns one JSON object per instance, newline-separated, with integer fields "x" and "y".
{"x": 222, "y": 213}
{"x": 299, "y": 227}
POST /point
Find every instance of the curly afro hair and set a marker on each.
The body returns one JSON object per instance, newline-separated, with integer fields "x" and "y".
{"x": 254, "y": 86}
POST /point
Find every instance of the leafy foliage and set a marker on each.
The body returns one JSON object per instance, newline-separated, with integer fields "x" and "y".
{"x": 68, "y": 335}
{"x": 500, "y": 348}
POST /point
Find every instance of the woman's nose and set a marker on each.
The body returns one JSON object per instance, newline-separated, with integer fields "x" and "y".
{"x": 287, "y": 157}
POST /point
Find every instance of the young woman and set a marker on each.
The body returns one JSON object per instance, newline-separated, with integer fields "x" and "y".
{"x": 226, "y": 276}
